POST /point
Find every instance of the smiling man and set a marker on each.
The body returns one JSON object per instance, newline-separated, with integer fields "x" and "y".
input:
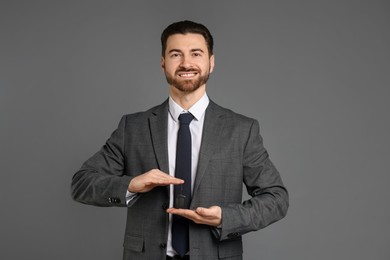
{"x": 187, "y": 63}
{"x": 179, "y": 167}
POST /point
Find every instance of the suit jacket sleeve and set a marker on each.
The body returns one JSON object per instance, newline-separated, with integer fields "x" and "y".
{"x": 101, "y": 180}
{"x": 269, "y": 201}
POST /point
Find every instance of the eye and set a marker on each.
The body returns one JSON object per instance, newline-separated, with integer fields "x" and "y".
{"x": 175, "y": 54}
{"x": 196, "y": 54}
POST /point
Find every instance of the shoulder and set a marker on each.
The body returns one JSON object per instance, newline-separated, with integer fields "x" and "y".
{"x": 230, "y": 114}
{"x": 141, "y": 119}
{"x": 161, "y": 109}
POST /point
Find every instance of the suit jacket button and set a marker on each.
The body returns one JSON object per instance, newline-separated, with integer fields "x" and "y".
{"x": 163, "y": 245}
{"x": 114, "y": 200}
{"x": 165, "y": 206}
{"x": 233, "y": 235}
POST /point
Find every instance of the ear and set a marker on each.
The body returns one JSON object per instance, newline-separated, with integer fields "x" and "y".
{"x": 212, "y": 63}
{"x": 162, "y": 63}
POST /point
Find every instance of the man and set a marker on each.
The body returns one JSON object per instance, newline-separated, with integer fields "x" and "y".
{"x": 179, "y": 167}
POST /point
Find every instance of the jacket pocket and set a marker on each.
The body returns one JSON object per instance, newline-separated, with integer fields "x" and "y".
{"x": 230, "y": 248}
{"x": 134, "y": 243}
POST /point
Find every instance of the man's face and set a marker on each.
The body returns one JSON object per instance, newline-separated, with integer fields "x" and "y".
{"x": 187, "y": 63}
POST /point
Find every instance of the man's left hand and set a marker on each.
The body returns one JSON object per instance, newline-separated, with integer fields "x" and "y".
{"x": 209, "y": 216}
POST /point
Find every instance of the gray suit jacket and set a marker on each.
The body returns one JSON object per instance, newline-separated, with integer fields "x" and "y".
{"x": 231, "y": 154}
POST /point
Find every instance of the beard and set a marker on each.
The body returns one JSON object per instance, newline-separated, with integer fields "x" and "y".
{"x": 187, "y": 85}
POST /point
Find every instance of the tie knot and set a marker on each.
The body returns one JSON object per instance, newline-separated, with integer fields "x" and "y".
{"x": 185, "y": 119}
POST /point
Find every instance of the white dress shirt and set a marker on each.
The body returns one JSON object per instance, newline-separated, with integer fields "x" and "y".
{"x": 196, "y": 127}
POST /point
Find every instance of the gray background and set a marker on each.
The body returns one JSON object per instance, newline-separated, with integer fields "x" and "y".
{"x": 314, "y": 73}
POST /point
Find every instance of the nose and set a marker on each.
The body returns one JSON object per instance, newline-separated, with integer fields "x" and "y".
{"x": 185, "y": 62}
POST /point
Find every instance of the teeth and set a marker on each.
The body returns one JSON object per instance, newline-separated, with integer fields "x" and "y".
{"x": 187, "y": 75}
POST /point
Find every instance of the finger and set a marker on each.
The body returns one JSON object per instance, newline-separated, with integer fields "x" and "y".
{"x": 194, "y": 216}
{"x": 175, "y": 181}
{"x": 187, "y": 213}
{"x": 211, "y": 212}
{"x": 168, "y": 178}
{"x": 179, "y": 211}
{"x": 161, "y": 178}
{"x": 203, "y": 212}
{"x": 167, "y": 181}
{"x": 191, "y": 215}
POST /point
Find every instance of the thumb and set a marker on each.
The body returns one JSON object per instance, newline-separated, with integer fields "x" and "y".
{"x": 204, "y": 211}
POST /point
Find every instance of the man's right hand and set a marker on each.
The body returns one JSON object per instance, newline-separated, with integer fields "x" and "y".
{"x": 153, "y": 178}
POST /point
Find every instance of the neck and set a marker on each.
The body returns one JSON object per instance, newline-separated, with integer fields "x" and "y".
{"x": 187, "y": 99}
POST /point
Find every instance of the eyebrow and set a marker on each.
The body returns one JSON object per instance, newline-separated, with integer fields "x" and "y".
{"x": 192, "y": 50}
{"x": 174, "y": 50}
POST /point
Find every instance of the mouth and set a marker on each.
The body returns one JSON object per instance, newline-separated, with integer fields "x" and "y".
{"x": 187, "y": 74}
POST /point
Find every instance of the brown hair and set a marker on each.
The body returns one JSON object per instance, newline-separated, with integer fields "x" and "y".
{"x": 184, "y": 27}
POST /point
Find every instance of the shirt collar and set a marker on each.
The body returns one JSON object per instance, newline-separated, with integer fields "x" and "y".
{"x": 197, "y": 110}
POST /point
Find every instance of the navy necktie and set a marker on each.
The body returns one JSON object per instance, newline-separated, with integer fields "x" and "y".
{"x": 182, "y": 193}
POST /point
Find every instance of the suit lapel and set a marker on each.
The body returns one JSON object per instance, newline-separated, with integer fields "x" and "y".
{"x": 158, "y": 129}
{"x": 213, "y": 125}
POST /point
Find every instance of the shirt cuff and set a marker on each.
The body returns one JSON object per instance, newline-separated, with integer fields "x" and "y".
{"x": 130, "y": 196}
